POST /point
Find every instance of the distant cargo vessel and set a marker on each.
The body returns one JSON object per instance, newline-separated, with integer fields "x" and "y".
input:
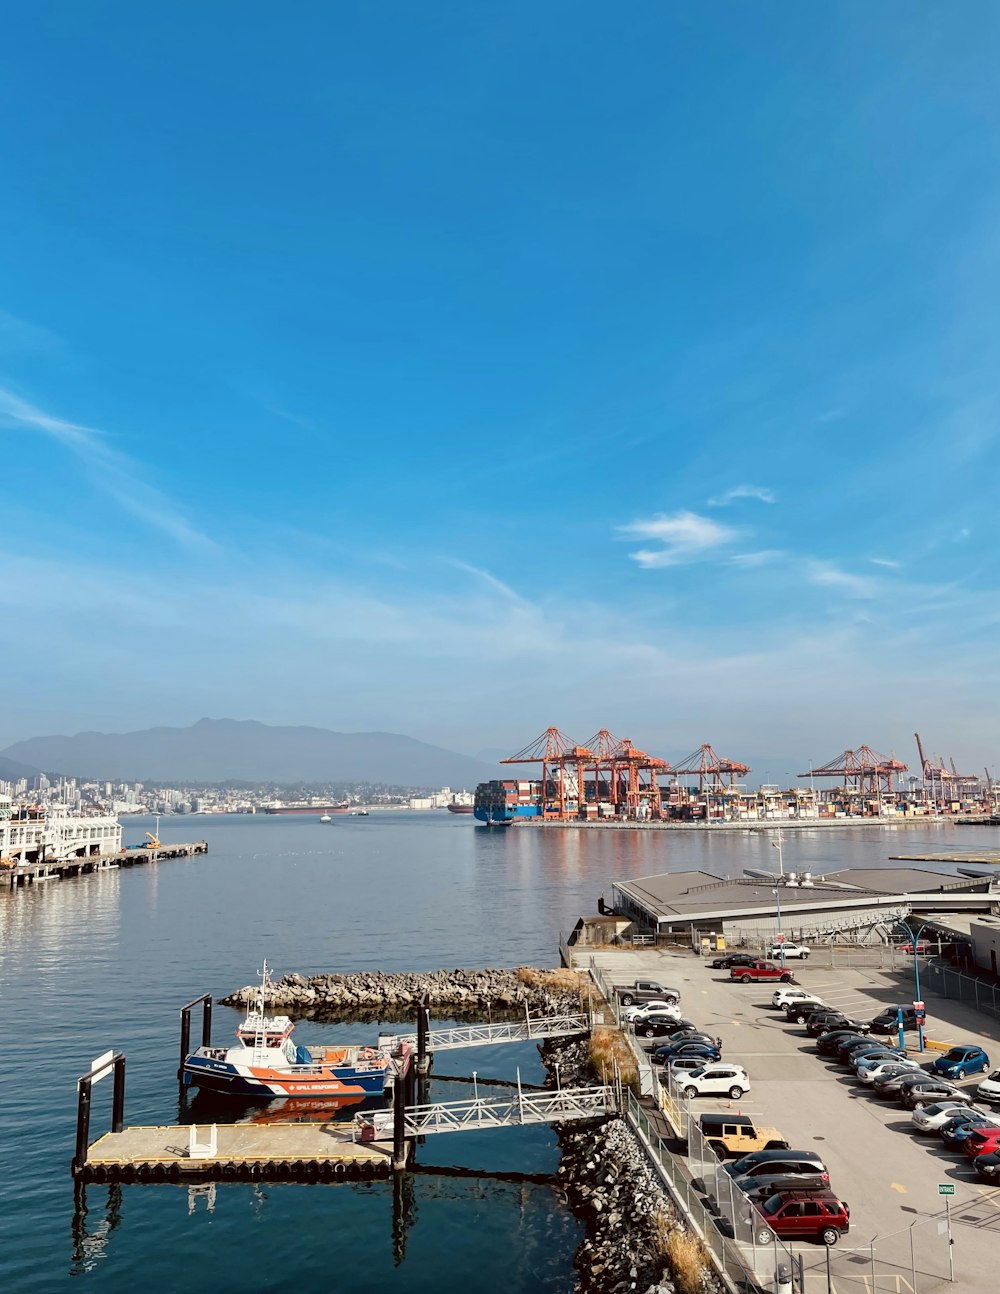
{"x": 500, "y": 802}
{"x": 308, "y": 808}
{"x": 459, "y": 808}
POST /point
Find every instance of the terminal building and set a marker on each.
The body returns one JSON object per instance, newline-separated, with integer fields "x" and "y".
{"x": 858, "y": 905}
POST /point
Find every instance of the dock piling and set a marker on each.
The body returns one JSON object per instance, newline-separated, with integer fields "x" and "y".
{"x": 111, "y": 1061}
{"x": 423, "y": 1028}
{"x": 206, "y": 1029}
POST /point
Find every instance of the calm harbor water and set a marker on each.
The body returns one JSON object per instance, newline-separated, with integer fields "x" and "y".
{"x": 106, "y": 961}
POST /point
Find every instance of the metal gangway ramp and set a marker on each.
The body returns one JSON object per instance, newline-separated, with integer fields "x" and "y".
{"x": 487, "y": 1035}
{"x": 561, "y": 1106}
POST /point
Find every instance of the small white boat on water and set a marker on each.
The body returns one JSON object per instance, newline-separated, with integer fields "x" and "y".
{"x": 326, "y": 818}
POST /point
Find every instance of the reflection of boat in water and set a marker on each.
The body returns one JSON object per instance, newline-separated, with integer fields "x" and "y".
{"x": 265, "y": 1062}
{"x": 358, "y": 813}
{"x": 212, "y": 1107}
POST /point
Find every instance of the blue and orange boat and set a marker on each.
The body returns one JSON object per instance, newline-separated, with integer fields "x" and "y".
{"x": 267, "y": 1063}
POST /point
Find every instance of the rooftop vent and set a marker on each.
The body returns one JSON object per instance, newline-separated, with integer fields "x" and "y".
{"x": 806, "y": 878}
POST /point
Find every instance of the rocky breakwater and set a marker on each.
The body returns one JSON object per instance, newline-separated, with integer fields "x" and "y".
{"x": 635, "y": 1239}
{"x": 396, "y": 995}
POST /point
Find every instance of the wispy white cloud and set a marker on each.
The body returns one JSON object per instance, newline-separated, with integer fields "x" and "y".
{"x": 490, "y": 580}
{"x": 683, "y": 536}
{"x": 286, "y": 415}
{"x": 885, "y": 561}
{"x": 759, "y": 492}
{"x": 109, "y": 469}
{"x": 19, "y": 337}
{"x": 829, "y": 576}
{"x": 762, "y": 557}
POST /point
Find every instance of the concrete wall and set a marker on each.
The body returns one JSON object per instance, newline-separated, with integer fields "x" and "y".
{"x": 985, "y": 935}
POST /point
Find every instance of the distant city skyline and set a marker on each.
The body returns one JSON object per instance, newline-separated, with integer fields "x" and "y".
{"x": 455, "y": 376}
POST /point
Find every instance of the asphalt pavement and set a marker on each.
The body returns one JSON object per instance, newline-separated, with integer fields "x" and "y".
{"x": 889, "y": 1174}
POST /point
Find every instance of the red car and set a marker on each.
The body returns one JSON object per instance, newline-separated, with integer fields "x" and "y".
{"x": 793, "y": 1215}
{"x": 922, "y": 947}
{"x": 984, "y": 1141}
{"x": 760, "y": 970}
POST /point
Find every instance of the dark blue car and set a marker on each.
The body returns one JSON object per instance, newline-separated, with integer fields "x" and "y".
{"x": 664, "y": 1055}
{"x": 960, "y": 1062}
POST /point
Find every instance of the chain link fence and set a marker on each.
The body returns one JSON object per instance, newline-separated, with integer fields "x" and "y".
{"x": 944, "y": 980}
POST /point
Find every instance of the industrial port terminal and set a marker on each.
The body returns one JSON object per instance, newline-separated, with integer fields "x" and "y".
{"x": 609, "y": 780}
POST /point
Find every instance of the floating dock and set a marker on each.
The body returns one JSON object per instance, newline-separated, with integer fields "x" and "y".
{"x": 288, "y": 1152}
{"x": 64, "y": 868}
{"x": 950, "y": 856}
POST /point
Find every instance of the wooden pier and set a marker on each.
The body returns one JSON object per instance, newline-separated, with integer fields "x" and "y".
{"x": 65, "y": 868}
{"x": 237, "y": 1152}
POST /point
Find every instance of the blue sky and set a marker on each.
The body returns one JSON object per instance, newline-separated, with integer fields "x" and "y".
{"x": 462, "y": 369}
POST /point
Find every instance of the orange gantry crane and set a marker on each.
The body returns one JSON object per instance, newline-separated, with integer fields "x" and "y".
{"x": 864, "y": 771}
{"x": 622, "y": 777}
{"x": 711, "y": 768}
{"x": 550, "y": 749}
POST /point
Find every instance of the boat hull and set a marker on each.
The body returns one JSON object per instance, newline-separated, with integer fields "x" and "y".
{"x": 244, "y": 1080}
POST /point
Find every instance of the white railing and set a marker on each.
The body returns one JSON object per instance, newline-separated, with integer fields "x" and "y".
{"x": 486, "y": 1035}
{"x": 564, "y": 1105}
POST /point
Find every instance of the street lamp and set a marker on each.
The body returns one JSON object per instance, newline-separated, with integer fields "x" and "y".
{"x": 916, "y": 973}
{"x": 777, "y": 894}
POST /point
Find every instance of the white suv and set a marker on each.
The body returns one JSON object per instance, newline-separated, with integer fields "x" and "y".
{"x": 792, "y": 951}
{"x": 786, "y": 996}
{"x": 718, "y": 1079}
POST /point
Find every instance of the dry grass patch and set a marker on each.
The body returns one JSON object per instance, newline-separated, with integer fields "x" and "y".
{"x": 606, "y": 1047}
{"x": 556, "y": 981}
{"x": 682, "y": 1252}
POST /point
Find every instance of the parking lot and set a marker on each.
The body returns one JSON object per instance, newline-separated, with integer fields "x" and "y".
{"x": 888, "y": 1174}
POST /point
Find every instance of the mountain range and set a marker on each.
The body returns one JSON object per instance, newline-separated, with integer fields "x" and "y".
{"x": 223, "y": 750}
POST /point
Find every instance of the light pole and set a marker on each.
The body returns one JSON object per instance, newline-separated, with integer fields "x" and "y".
{"x": 916, "y": 973}
{"x": 777, "y": 894}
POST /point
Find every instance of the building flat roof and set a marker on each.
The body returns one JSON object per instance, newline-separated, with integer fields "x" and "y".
{"x": 680, "y": 896}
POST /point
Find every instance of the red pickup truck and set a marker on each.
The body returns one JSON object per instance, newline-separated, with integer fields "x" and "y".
{"x": 760, "y": 970}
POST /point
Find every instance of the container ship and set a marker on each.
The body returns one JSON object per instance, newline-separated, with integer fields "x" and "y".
{"x": 502, "y": 801}
{"x": 308, "y": 808}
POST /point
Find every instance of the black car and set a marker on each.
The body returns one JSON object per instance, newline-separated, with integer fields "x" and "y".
{"x": 847, "y": 1051}
{"x": 681, "y": 1027}
{"x": 652, "y": 1028}
{"x": 860, "y": 1027}
{"x": 759, "y": 1189}
{"x": 706, "y": 1050}
{"x": 762, "y": 1163}
{"x": 828, "y": 1043}
{"x": 887, "y": 1021}
{"x": 819, "y": 1021}
{"x": 728, "y": 960}
{"x": 800, "y": 1012}
{"x": 988, "y": 1166}
{"x": 856, "y": 1055}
